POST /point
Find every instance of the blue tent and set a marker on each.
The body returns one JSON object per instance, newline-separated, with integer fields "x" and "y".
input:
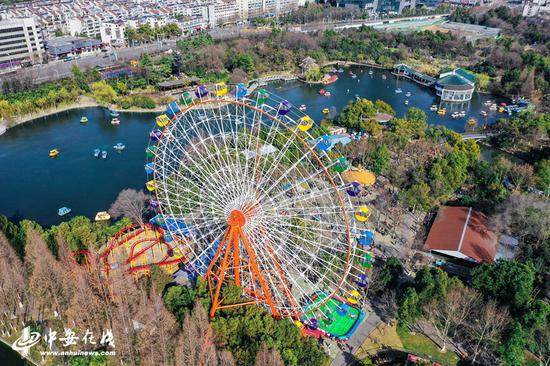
{"x": 177, "y": 226}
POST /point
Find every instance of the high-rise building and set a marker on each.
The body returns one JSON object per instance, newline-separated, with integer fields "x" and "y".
{"x": 20, "y": 42}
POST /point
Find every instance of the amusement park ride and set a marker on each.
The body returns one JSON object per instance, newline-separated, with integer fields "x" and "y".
{"x": 247, "y": 192}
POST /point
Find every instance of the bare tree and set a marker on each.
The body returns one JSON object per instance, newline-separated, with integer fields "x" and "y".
{"x": 132, "y": 204}
{"x": 268, "y": 356}
{"x": 13, "y": 299}
{"x": 196, "y": 343}
{"x": 388, "y": 305}
{"x": 484, "y": 329}
{"x": 450, "y": 310}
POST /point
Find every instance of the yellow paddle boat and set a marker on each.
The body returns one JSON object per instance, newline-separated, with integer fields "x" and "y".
{"x": 441, "y": 111}
{"x": 54, "y": 153}
{"x": 326, "y": 110}
{"x": 102, "y": 216}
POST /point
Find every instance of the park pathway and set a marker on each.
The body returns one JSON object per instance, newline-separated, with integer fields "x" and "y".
{"x": 365, "y": 328}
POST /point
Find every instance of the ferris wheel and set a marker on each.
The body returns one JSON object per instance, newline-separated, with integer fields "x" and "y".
{"x": 249, "y": 189}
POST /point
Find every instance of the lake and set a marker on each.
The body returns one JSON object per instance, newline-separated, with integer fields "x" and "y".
{"x": 9, "y": 357}
{"x": 34, "y": 186}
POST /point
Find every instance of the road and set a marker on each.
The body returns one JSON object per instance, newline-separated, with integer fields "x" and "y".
{"x": 60, "y": 69}
{"x": 378, "y": 23}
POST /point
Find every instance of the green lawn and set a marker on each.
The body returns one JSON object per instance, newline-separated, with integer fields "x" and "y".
{"x": 423, "y": 346}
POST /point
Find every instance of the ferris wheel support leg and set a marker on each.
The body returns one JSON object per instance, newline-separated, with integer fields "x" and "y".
{"x": 221, "y": 276}
{"x": 257, "y": 273}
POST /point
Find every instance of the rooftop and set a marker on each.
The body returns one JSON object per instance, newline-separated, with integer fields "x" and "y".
{"x": 462, "y": 232}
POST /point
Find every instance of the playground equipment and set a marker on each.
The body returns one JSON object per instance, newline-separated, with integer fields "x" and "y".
{"x": 246, "y": 191}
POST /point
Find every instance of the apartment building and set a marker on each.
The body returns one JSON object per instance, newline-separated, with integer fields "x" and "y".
{"x": 20, "y": 42}
{"x": 113, "y": 33}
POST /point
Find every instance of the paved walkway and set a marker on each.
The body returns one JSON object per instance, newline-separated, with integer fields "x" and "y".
{"x": 365, "y": 328}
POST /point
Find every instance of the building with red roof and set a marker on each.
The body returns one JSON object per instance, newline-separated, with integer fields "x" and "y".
{"x": 463, "y": 233}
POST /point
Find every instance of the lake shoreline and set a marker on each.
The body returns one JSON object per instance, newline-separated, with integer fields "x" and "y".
{"x": 82, "y": 103}
{"x": 23, "y": 358}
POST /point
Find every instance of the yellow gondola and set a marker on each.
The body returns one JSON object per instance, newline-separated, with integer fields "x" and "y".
{"x": 354, "y": 297}
{"x": 163, "y": 120}
{"x": 305, "y": 123}
{"x": 220, "y": 89}
{"x": 363, "y": 214}
{"x": 54, "y": 153}
{"x": 151, "y": 185}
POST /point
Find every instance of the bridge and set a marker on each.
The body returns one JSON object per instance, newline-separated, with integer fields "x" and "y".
{"x": 476, "y": 136}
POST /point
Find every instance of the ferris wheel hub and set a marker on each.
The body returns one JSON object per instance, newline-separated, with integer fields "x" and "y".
{"x": 236, "y": 219}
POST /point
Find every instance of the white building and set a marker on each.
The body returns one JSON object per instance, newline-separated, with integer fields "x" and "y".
{"x": 20, "y": 41}
{"x": 113, "y": 33}
{"x": 533, "y": 8}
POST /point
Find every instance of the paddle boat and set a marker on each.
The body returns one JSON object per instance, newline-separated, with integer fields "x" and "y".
{"x": 326, "y": 111}
{"x": 119, "y": 146}
{"x": 63, "y": 211}
{"x": 433, "y": 108}
{"x": 340, "y": 70}
{"x": 115, "y": 121}
{"x": 488, "y": 103}
{"x": 462, "y": 114}
{"x": 113, "y": 113}
{"x": 455, "y": 115}
{"x": 327, "y": 94}
{"x": 322, "y": 91}
{"x": 303, "y": 107}
{"x": 501, "y": 109}
{"x": 472, "y": 121}
{"x": 493, "y": 107}
{"x": 84, "y": 119}
{"x": 483, "y": 113}
{"x": 406, "y": 102}
{"x": 408, "y": 94}
{"x": 370, "y": 72}
{"x": 96, "y": 153}
{"x": 354, "y": 76}
{"x": 384, "y": 76}
{"x": 442, "y": 111}
{"x": 398, "y": 90}
{"x": 102, "y": 216}
{"x": 53, "y": 153}
{"x": 357, "y": 97}
{"x": 104, "y": 154}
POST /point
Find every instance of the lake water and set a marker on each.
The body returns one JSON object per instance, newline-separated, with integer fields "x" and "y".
{"x": 34, "y": 186}
{"x": 9, "y": 357}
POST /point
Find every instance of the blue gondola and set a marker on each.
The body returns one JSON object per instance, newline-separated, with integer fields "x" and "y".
{"x": 284, "y": 108}
{"x": 240, "y": 90}
{"x": 172, "y": 109}
{"x": 366, "y": 238}
{"x": 201, "y": 91}
{"x": 313, "y": 324}
{"x": 149, "y": 168}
